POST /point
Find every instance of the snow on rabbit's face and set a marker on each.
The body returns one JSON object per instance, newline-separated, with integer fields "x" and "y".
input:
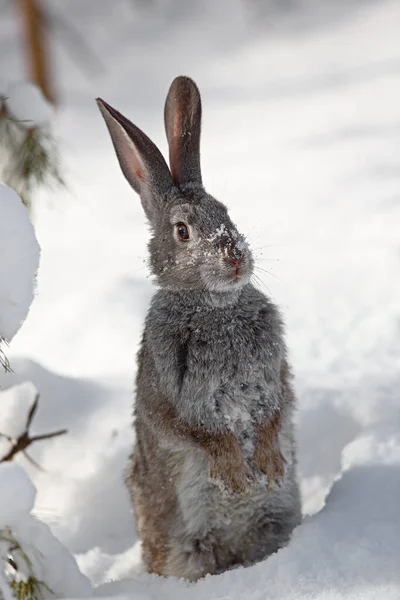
{"x": 196, "y": 246}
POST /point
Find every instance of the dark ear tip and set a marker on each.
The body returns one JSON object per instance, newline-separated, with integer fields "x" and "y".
{"x": 184, "y": 83}
{"x": 183, "y": 79}
{"x": 105, "y": 109}
{"x": 100, "y": 103}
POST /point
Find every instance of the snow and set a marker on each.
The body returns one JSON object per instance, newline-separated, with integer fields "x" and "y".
{"x": 19, "y": 251}
{"x": 15, "y": 404}
{"x": 47, "y": 559}
{"x": 51, "y": 562}
{"x": 17, "y": 494}
{"x": 300, "y": 139}
{"x": 27, "y": 104}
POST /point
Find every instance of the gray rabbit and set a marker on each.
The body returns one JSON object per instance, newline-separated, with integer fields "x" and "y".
{"x": 213, "y": 474}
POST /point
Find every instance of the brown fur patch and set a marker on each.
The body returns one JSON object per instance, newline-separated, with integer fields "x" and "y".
{"x": 227, "y": 463}
{"x": 153, "y": 512}
{"x": 154, "y": 542}
{"x": 267, "y": 454}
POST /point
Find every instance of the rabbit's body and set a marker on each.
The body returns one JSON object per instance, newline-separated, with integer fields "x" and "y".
{"x": 213, "y": 474}
{"x": 233, "y": 351}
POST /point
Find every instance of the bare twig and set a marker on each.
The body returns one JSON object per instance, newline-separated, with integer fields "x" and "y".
{"x": 36, "y": 45}
{"x": 32, "y": 412}
{"x": 32, "y": 461}
{"x": 25, "y": 439}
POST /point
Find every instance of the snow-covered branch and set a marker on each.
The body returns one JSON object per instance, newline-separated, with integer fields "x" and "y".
{"x": 32, "y": 560}
{"x": 20, "y": 440}
{"x": 29, "y": 154}
{"x": 19, "y": 262}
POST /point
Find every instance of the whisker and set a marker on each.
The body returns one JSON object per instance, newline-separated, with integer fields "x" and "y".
{"x": 267, "y": 259}
{"x": 249, "y": 233}
{"x": 268, "y": 246}
{"x": 259, "y": 282}
{"x": 254, "y": 239}
{"x": 269, "y": 273}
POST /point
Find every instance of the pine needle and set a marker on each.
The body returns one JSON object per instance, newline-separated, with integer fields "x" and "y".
{"x": 4, "y": 362}
{"x": 30, "y": 157}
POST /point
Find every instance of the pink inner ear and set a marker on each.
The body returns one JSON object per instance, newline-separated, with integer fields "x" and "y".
{"x": 178, "y": 126}
{"x": 174, "y": 154}
{"x": 136, "y": 163}
{"x": 139, "y": 173}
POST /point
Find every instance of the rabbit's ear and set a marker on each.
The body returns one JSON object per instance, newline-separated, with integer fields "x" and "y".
{"x": 141, "y": 161}
{"x": 182, "y": 115}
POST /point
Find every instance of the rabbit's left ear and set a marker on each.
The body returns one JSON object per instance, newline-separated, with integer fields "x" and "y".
{"x": 141, "y": 161}
{"x": 182, "y": 115}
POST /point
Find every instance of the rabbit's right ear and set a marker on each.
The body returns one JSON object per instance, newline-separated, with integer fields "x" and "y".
{"x": 182, "y": 116}
{"x": 141, "y": 161}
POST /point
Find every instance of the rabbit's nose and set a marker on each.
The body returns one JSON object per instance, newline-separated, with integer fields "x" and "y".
{"x": 235, "y": 262}
{"x": 233, "y": 256}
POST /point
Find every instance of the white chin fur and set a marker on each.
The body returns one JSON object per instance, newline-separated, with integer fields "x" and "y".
{"x": 214, "y": 284}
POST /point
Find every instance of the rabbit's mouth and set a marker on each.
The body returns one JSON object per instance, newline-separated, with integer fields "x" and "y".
{"x": 228, "y": 277}
{"x": 238, "y": 277}
{"x": 237, "y": 273}
{"x": 240, "y": 270}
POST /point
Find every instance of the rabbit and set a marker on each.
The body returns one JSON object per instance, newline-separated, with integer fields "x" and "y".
{"x": 213, "y": 472}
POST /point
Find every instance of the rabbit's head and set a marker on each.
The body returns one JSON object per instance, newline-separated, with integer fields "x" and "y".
{"x": 194, "y": 244}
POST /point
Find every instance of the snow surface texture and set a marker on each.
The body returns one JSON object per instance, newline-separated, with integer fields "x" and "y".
{"x": 17, "y": 494}
{"x": 301, "y": 140}
{"x": 19, "y": 261}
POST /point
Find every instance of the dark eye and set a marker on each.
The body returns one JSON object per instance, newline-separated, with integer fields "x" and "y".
{"x": 182, "y": 232}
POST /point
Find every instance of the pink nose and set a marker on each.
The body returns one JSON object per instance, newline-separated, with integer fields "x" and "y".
{"x": 233, "y": 261}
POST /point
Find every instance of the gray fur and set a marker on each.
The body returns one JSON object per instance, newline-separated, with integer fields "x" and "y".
{"x": 212, "y": 363}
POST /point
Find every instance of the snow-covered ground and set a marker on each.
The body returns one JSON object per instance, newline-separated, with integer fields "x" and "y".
{"x": 301, "y": 139}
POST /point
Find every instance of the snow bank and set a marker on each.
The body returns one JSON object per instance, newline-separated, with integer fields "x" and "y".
{"x": 349, "y": 549}
{"x": 19, "y": 262}
{"x": 17, "y": 495}
{"x": 49, "y": 561}
{"x": 52, "y": 563}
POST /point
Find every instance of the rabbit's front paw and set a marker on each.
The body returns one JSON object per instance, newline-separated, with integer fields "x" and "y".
{"x": 272, "y": 464}
{"x": 228, "y": 468}
{"x": 268, "y": 457}
{"x": 232, "y": 476}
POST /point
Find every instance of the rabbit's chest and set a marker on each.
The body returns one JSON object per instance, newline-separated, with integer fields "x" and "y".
{"x": 232, "y": 351}
{"x": 239, "y": 366}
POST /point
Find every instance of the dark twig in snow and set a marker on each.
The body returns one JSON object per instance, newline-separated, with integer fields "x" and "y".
{"x": 25, "y": 439}
{"x": 4, "y": 362}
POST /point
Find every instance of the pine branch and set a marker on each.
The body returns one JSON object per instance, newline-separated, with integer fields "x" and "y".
{"x": 25, "y": 439}
{"x": 4, "y": 362}
{"x": 29, "y": 155}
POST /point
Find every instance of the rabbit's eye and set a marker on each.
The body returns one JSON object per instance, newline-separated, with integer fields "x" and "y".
{"x": 182, "y": 232}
